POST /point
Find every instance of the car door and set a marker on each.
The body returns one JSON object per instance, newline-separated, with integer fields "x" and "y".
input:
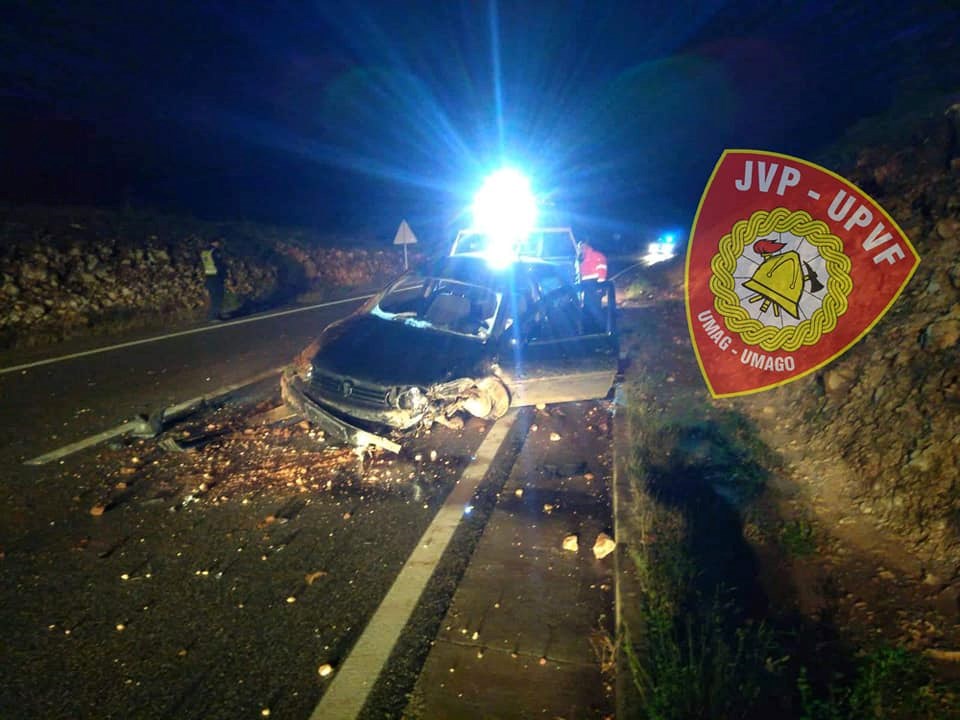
{"x": 546, "y": 356}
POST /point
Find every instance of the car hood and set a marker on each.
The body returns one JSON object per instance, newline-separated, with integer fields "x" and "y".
{"x": 390, "y": 352}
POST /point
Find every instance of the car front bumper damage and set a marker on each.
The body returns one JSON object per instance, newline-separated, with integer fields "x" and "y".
{"x": 293, "y": 392}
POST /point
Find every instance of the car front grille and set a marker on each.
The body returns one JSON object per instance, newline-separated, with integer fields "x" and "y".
{"x": 342, "y": 390}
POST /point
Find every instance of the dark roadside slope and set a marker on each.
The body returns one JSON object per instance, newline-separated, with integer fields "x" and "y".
{"x": 794, "y": 553}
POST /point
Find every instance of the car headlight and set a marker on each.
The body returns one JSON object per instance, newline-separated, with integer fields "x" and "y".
{"x": 411, "y": 399}
{"x": 303, "y": 363}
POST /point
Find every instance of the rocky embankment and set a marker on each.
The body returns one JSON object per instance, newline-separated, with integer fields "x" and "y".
{"x": 890, "y": 407}
{"x": 66, "y": 272}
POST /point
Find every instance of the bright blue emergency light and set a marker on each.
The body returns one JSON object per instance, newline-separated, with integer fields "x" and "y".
{"x": 661, "y": 250}
{"x": 505, "y": 210}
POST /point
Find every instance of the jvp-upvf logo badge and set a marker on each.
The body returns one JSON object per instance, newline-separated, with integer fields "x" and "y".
{"x": 788, "y": 266}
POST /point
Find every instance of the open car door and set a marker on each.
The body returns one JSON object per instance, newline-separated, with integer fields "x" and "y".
{"x": 561, "y": 352}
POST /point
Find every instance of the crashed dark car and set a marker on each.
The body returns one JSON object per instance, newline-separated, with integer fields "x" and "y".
{"x": 459, "y": 338}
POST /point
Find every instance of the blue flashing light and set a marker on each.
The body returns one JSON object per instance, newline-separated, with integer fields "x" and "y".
{"x": 661, "y": 250}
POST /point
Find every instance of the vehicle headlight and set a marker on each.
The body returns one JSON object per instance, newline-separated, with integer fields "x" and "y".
{"x": 412, "y": 399}
{"x": 303, "y": 363}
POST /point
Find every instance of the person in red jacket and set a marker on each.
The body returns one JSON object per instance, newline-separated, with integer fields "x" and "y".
{"x": 591, "y": 271}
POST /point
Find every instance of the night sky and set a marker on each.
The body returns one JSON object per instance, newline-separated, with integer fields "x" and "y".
{"x": 350, "y": 115}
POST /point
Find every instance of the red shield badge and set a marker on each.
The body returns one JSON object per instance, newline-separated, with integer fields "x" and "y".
{"x": 788, "y": 266}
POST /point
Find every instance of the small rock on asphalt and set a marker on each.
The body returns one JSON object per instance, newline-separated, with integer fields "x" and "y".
{"x": 571, "y": 543}
{"x": 603, "y": 546}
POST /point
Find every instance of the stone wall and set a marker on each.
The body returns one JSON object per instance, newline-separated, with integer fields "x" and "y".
{"x": 73, "y": 271}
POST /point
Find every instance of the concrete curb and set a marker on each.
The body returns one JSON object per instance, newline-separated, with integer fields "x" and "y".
{"x": 625, "y": 581}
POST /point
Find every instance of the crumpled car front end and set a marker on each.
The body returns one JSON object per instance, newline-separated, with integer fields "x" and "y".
{"x": 352, "y": 406}
{"x": 295, "y": 392}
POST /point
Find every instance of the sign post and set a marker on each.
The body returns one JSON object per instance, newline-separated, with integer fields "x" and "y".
{"x": 404, "y": 237}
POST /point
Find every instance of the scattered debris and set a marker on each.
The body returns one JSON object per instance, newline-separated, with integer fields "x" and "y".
{"x": 603, "y": 546}
{"x": 572, "y": 543}
{"x": 312, "y": 577}
{"x": 945, "y": 655}
{"x": 554, "y": 437}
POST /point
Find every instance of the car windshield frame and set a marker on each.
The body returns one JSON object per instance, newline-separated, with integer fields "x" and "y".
{"x": 442, "y": 304}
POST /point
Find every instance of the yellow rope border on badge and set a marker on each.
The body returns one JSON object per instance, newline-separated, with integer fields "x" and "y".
{"x": 724, "y": 264}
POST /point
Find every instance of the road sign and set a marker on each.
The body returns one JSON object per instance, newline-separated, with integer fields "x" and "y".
{"x": 404, "y": 237}
{"x": 789, "y": 265}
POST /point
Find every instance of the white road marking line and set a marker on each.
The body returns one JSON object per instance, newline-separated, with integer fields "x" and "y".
{"x": 157, "y": 338}
{"x": 356, "y": 677}
{"x": 131, "y": 425}
{"x": 86, "y": 442}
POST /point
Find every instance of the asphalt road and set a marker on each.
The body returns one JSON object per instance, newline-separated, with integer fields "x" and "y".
{"x": 140, "y": 582}
{"x": 207, "y": 584}
{"x": 52, "y": 405}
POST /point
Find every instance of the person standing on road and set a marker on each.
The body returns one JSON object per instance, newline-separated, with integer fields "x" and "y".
{"x": 214, "y": 274}
{"x": 591, "y": 270}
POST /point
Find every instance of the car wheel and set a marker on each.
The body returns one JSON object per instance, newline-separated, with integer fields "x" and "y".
{"x": 488, "y": 399}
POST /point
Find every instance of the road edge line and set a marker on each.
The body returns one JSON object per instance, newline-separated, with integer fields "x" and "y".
{"x": 131, "y": 425}
{"x": 83, "y": 444}
{"x": 179, "y": 333}
{"x": 357, "y": 676}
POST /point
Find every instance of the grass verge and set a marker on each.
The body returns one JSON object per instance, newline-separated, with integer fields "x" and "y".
{"x": 698, "y": 638}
